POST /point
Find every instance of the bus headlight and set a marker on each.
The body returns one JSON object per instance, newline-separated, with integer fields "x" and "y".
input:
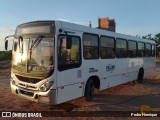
{"x": 13, "y": 81}
{"x": 46, "y": 86}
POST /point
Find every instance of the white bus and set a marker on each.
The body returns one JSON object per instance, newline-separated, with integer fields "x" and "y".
{"x": 55, "y": 61}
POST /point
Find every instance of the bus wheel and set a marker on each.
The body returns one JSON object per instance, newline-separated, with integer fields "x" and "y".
{"x": 89, "y": 90}
{"x": 140, "y": 76}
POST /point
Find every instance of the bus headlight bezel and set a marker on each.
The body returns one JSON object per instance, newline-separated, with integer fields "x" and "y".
{"x": 12, "y": 81}
{"x": 46, "y": 86}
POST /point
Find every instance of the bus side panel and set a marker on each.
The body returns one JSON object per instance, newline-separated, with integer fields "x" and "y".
{"x": 69, "y": 92}
{"x": 116, "y": 76}
{"x": 107, "y": 83}
{"x": 110, "y": 82}
{"x": 133, "y": 75}
{"x": 121, "y": 70}
{"x": 133, "y": 65}
{"x": 121, "y": 66}
{"x": 133, "y": 68}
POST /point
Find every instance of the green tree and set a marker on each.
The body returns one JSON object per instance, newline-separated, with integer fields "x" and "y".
{"x": 157, "y": 39}
{"x": 5, "y": 55}
{"x": 148, "y": 36}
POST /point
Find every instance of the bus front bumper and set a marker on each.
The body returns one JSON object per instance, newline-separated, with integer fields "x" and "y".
{"x": 36, "y": 96}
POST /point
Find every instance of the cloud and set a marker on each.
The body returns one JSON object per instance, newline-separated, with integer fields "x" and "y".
{"x": 6, "y": 30}
{"x": 3, "y": 33}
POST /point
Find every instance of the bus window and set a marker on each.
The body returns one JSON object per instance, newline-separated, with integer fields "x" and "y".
{"x": 121, "y": 48}
{"x": 148, "y": 50}
{"x": 90, "y": 46}
{"x": 132, "y": 49}
{"x": 107, "y": 47}
{"x": 141, "y": 49}
{"x": 68, "y": 58}
{"x": 153, "y": 50}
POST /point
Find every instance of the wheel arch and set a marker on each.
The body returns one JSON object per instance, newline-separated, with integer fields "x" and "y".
{"x": 96, "y": 81}
{"x": 141, "y": 69}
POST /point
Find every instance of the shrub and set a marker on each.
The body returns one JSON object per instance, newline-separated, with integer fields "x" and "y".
{"x": 5, "y": 55}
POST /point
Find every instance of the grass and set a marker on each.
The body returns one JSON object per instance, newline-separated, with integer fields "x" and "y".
{"x": 5, "y": 64}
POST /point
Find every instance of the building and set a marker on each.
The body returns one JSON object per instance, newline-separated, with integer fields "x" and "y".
{"x": 107, "y": 24}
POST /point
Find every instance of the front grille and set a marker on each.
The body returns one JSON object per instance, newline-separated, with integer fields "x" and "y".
{"x": 26, "y": 93}
{"x": 28, "y": 80}
{"x": 28, "y": 86}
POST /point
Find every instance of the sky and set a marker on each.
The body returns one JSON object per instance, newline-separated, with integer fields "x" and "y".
{"x": 132, "y": 17}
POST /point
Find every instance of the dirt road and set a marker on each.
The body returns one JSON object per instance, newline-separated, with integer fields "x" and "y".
{"x": 126, "y": 97}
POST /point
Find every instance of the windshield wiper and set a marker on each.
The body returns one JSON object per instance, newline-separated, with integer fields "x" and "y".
{"x": 20, "y": 41}
{"x": 35, "y": 44}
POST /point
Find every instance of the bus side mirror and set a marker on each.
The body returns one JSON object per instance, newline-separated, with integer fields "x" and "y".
{"x": 6, "y": 44}
{"x": 6, "y": 41}
{"x": 69, "y": 42}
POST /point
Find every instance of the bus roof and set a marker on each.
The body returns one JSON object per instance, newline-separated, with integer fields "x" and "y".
{"x": 87, "y": 29}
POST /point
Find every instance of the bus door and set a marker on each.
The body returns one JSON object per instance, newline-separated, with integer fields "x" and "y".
{"x": 69, "y": 68}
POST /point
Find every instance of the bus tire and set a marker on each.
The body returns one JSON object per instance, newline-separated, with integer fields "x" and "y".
{"x": 89, "y": 90}
{"x": 140, "y": 75}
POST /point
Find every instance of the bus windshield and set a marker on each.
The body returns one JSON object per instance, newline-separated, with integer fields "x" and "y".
{"x": 28, "y": 59}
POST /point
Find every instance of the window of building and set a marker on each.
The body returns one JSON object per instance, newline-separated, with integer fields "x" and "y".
{"x": 121, "y": 48}
{"x": 107, "y": 47}
{"x": 68, "y": 58}
{"x": 90, "y": 46}
{"x": 153, "y": 50}
{"x": 148, "y": 50}
{"x": 141, "y": 49}
{"x": 132, "y": 49}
